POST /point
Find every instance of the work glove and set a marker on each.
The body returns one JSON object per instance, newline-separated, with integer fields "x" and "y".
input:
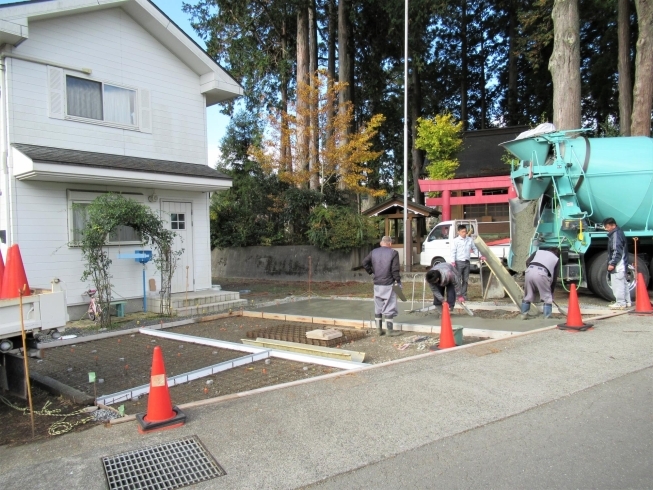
{"x": 453, "y": 264}
{"x": 401, "y": 286}
{"x": 483, "y": 258}
{"x": 461, "y": 299}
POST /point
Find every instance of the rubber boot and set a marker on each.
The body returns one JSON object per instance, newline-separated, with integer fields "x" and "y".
{"x": 391, "y": 332}
{"x": 525, "y": 306}
{"x": 547, "y": 309}
{"x": 379, "y": 325}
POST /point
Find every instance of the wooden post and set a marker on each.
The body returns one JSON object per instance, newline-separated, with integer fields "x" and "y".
{"x": 22, "y": 331}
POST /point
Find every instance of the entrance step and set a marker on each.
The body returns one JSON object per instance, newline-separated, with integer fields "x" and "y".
{"x": 210, "y": 308}
{"x": 199, "y": 302}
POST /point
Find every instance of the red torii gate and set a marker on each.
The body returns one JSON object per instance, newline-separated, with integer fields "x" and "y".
{"x": 477, "y": 184}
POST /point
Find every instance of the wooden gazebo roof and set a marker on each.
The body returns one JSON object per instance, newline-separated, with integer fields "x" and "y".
{"x": 395, "y": 205}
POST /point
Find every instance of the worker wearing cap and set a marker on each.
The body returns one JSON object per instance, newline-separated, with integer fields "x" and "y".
{"x": 383, "y": 263}
{"x": 540, "y": 278}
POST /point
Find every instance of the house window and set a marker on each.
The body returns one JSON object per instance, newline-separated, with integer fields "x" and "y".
{"x": 177, "y": 221}
{"x": 121, "y": 235}
{"x": 100, "y": 101}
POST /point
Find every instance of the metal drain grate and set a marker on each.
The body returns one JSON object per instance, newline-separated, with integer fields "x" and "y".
{"x": 173, "y": 464}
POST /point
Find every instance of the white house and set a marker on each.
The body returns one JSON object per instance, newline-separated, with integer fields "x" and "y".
{"x": 104, "y": 96}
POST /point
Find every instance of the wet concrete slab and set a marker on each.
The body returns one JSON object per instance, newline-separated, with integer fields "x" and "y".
{"x": 363, "y": 310}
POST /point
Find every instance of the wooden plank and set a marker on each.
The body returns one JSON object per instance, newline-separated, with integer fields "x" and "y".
{"x": 274, "y": 316}
{"x": 323, "y": 321}
{"x": 351, "y": 323}
{"x": 299, "y": 318}
{"x": 315, "y": 350}
{"x": 253, "y": 314}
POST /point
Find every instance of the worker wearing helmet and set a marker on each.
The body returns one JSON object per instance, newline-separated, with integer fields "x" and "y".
{"x": 540, "y": 278}
{"x": 445, "y": 282}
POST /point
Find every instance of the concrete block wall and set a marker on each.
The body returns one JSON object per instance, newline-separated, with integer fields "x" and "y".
{"x": 288, "y": 263}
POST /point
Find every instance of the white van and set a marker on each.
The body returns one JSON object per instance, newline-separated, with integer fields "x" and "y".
{"x": 437, "y": 246}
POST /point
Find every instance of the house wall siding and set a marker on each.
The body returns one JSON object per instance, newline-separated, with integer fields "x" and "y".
{"x": 42, "y": 232}
{"x": 117, "y": 50}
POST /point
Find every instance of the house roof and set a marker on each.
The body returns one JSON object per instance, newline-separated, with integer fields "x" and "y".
{"x": 396, "y": 204}
{"x": 103, "y": 160}
{"x": 215, "y": 82}
{"x": 481, "y": 153}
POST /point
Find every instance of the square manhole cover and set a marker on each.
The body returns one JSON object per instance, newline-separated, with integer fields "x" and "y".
{"x": 173, "y": 464}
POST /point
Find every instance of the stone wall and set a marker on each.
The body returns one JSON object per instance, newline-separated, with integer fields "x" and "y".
{"x": 288, "y": 263}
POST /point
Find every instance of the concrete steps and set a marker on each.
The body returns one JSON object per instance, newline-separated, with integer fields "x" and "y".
{"x": 200, "y": 302}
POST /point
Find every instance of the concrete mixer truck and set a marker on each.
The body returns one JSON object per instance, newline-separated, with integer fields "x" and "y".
{"x": 567, "y": 184}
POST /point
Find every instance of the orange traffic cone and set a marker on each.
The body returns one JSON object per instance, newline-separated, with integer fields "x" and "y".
{"x": 446, "y": 331}
{"x": 2, "y": 271}
{"x": 160, "y": 412}
{"x": 14, "y": 277}
{"x": 574, "y": 319}
{"x": 642, "y": 302}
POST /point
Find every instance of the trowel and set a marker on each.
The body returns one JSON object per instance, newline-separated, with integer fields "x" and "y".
{"x": 467, "y": 310}
{"x": 399, "y": 292}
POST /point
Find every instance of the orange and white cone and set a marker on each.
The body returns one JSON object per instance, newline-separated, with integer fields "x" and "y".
{"x": 160, "y": 413}
{"x": 14, "y": 278}
{"x": 447, "y": 340}
{"x": 642, "y": 301}
{"x": 574, "y": 319}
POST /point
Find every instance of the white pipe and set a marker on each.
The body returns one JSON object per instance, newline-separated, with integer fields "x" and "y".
{"x": 8, "y": 195}
{"x": 292, "y": 356}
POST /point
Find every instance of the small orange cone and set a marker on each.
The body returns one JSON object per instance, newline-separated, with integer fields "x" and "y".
{"x": 14, "y": 277}
{"x": 446, "y": 331}
{"x": 160, "y": 412}
{"x": 642, "y": 303}
{"x": 2, "y": 271}
{"x": 574, "y": 319}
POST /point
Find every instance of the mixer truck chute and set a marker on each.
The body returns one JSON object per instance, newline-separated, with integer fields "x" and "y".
{"x": 567, "y": 184}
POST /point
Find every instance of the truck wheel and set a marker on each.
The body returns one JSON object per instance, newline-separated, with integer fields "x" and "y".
{"x": 598, "y": 277}
{"x": 436, "y": 260}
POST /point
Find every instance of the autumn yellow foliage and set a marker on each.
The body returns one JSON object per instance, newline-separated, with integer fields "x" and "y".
{"x": 342, "y": 158}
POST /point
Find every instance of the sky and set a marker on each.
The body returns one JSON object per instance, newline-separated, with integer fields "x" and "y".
{"x": 216, "y": 122}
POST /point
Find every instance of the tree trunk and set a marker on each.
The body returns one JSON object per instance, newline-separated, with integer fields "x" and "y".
{"x": 418, "y": 161}
{"x": 463, "y": 65}
{"x": 344, "y": 66}
{"x": 344, "y": 61}
{"x": 314, "y": 161}
{"x": 331, "y": 64}
{"x": 643, "y": 88}
{"x": 285, "y": 144}
{"x": 625, "y": 81}
{"x": 564, "y": 64}
{"x": 513, "y": 119}
{"x": 303, "y": 115}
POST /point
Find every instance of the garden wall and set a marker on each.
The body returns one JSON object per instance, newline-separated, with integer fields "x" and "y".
{"x": 288, "y": 263}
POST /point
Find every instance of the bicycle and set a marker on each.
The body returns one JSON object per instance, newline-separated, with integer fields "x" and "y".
{"x": 94, "y": 309}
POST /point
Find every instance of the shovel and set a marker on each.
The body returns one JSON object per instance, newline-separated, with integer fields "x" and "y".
{"x": 560, "y": 310}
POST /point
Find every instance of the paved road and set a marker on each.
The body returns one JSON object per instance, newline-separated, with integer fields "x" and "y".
{"x": 599, "y": 438}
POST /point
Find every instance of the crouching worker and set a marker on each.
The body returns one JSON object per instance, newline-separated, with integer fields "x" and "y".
{"x": 541, "y": 273}
{"x": 383, "y": 262}
{"x": 445, "y": 282}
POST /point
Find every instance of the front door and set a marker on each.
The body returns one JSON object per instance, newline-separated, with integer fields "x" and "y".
{"x": 179, "y": 219}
